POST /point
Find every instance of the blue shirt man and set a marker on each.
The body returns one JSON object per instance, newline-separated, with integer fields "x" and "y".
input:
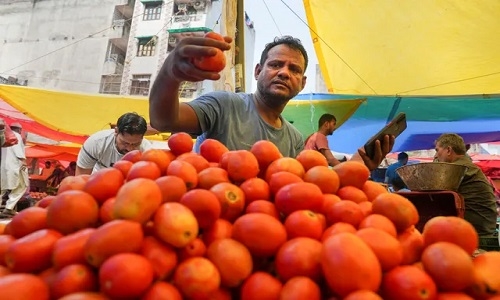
{"x": 391, "y": 174}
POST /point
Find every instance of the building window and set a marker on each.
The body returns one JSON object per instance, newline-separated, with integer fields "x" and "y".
{"x": 110, "y": 84}
{"x": 152, "y": 11}
{"x": 146, "y": 46}
{"x": 140, "y": 84}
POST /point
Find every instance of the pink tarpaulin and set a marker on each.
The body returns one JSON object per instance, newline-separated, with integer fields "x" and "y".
{"x": 52, "y": 152}
{"x": 491, "y": 168}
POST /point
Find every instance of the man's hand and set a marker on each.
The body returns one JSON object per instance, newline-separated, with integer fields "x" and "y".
{"x": 381, "y": 150}
{"x": 179, "y": 63}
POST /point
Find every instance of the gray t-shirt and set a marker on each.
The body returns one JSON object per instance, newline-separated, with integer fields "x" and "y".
{"x": 234, "y": 120}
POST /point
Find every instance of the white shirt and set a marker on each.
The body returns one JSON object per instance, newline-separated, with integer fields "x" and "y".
{"x": 99, "y": 151}
{"x": 12, "y": 162}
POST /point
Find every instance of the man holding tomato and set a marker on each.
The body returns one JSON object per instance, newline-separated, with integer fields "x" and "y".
{"x": 238, "y": 120}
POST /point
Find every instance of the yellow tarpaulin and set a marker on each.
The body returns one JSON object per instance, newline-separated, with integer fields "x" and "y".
{"x": 412, "y": 47}
{"x": 305, "y": 114}
{"x": 73, "y": 113}
{"x": 84, "y": 114}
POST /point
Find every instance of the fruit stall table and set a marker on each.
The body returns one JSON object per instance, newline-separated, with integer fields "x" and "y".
{"x": 435, "y": 203}
{"x": 37, "y": 185}
{"x": 445, "y": 203}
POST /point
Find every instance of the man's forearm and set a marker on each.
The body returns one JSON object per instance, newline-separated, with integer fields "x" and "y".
{"x": 82, "y": 171}
{"x": 164, "y": 103}
{"x": 333, "y": 162}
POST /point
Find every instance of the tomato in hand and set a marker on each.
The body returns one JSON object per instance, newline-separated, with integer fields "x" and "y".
{"x": 214, "y": 63}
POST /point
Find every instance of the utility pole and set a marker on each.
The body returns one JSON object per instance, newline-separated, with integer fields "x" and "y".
{"x": 240, "y": 45}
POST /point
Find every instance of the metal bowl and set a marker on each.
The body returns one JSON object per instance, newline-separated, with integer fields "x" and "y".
{"x": 432, "y": 176}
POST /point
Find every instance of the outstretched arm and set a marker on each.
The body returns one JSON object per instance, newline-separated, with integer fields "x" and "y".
{"x": 165, "y": 111}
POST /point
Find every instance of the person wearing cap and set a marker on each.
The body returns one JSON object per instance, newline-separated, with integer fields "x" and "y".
{"x": 104, "y": 148}
{"x": 14, "y": 173}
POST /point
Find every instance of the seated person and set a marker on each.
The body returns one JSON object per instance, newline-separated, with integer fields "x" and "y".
{"x": 398, "y": 185}
{"x": 45, "y": 173}
{"x": 391, "y": 173}
{"x": 480, "y": 206}
{"x": 70, "y": 170}
{"x": 56, "y": 177}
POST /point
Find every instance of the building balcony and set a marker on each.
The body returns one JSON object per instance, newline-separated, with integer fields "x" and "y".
{"x": 119, "y": 33}
{"x": 189, "y": 23}
{"x": 126, "y": 8}
{"x": 177, "y": 35}
{"x": 120, "y": 29}
{"x": 113, "y": 65}
{"x": 199, "y": 5}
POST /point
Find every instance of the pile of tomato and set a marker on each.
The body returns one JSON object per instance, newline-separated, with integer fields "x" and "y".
{"x": 246, "y": 224}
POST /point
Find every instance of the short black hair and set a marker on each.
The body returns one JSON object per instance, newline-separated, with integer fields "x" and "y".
{"x": 291, "y": 42}
{"x": 402, "y": 155}
{"x": 132, "y": 124}
{"x": 326, "y": 118}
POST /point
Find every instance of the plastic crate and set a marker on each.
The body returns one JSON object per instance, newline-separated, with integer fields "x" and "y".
{"x": 433, "y": 204}
{"x": 489, "y": 243}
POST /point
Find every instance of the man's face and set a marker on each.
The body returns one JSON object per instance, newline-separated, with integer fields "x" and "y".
{"x": 127, "y": 142}
{"x": 331, "y": 127}
{"x": 442, "y": 153}
{"x": 282, "y": 75}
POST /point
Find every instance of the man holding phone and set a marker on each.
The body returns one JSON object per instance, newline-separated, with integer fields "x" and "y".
{"x": 326, "y": 126}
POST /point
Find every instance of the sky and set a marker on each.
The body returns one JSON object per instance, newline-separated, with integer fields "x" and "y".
{"x": 285, "y": 23}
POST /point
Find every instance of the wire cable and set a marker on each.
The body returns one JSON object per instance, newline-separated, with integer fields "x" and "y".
{"x": 448, "y": 82}
{"x": 272, "y": 17}
{"x": 364, "y": 81}
{"x": 335, "y": 52}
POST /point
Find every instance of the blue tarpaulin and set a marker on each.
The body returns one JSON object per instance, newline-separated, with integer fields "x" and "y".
{"x": 475, "y": 117}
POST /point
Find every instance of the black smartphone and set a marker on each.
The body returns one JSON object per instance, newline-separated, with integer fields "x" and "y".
{"x": 395, "y": 128}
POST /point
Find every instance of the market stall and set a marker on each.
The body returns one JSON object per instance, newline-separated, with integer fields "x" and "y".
{"x": 43, "y": 160}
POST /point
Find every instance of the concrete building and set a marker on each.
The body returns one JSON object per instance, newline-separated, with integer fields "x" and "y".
{"x": 104, "y": 46}
{"x": 320, "y": 81}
